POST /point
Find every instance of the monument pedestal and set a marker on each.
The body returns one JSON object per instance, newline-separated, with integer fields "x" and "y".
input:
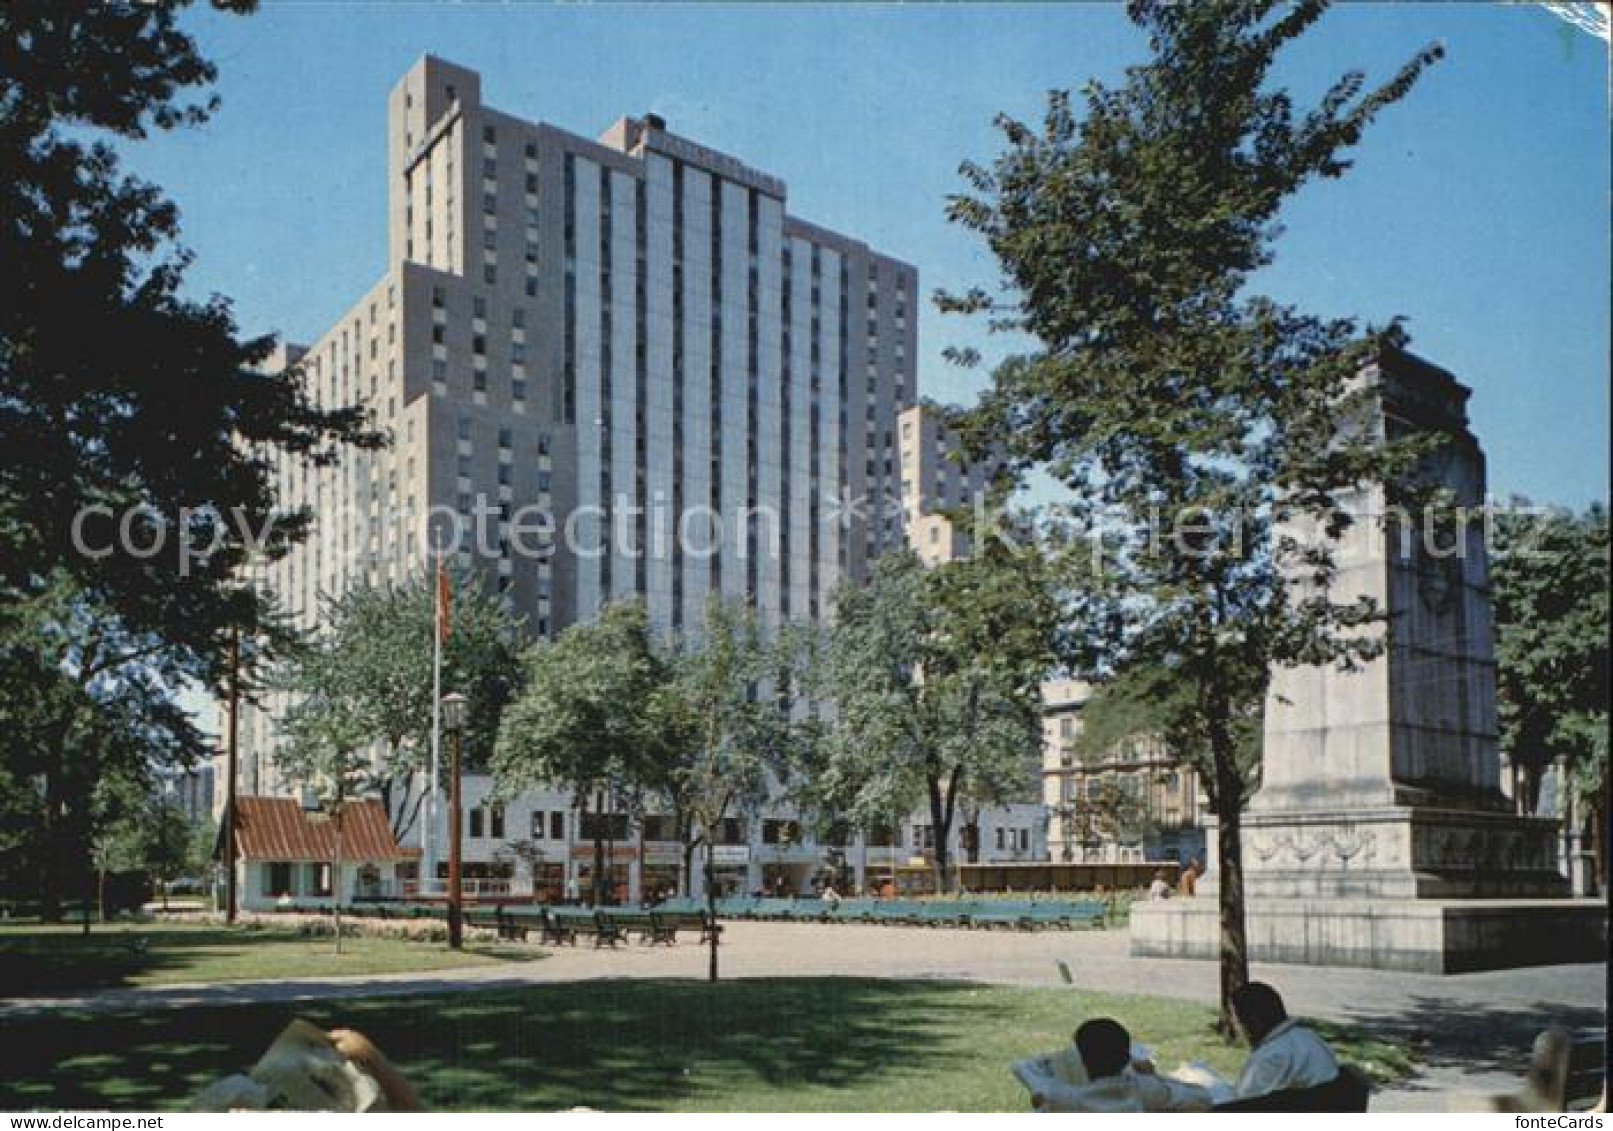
{"x": 1428, "y": 936}
{"x": 1379, "y": 836}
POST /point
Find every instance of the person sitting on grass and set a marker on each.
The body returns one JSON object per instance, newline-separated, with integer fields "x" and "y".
{"x": 1283, "y": 1054}
{"x": 1113, "y": 1079}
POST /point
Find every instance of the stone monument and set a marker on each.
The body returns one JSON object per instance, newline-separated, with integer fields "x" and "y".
{"x": 1380, "y": 836}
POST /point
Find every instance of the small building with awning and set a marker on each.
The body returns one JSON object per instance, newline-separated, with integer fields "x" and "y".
{"x": 285, "y": 855}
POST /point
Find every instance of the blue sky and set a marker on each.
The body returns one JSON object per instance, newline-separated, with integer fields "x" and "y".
{"x": 1478, "y": 208}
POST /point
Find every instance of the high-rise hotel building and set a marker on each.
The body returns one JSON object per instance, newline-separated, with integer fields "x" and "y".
{"x": 630, "y": 334}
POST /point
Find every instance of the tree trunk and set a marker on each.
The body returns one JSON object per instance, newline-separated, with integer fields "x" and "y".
{"x": 50, "y": 901}
{"x": 1599, "y": 813}
{"x": 599, "y": 854}
{"x": 942, "y": 810}
{"x": 686, "y": 875}
{"x": 711, "y": 905}
{"x": 1234, "y": 938}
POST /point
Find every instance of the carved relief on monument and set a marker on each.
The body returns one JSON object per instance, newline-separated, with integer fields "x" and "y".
{"x": 1340, "y": 847}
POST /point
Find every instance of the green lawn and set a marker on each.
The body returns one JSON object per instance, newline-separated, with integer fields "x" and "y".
{"x": 38, "y": 959}
{"x": 786, "y": 1044}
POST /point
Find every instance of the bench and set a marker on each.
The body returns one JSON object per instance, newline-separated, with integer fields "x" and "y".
{"x": 509, "y": 929}
{"x": 553, "y": 929}
{"x": 606, "y": 931}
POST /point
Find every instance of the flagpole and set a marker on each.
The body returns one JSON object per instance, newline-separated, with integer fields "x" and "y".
{"x": 428, "y": 858}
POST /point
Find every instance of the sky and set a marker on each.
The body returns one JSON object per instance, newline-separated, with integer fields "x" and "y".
{"x": 1478, "y": 208}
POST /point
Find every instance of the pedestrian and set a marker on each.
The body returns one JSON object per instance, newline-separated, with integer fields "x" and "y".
{"x": 1188, "y": 885}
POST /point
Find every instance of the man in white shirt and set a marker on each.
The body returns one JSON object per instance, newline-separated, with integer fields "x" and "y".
{"x": 1113, "y": 1081}
{"x": 1283, "y": 1054}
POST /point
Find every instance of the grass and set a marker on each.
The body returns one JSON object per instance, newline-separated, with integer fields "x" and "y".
{"x": 776, "y": 1044}
{"x": 37, "y": 959}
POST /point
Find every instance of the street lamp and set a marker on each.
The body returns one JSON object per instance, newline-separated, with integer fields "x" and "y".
{"x": 454, "y": 710}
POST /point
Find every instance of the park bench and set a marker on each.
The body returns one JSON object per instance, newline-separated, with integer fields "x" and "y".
{"x": 606, "y": 931}
{"x": 509, "y": 929}
{"x": 991, "y": 915}
{"x": 553, "y": 929}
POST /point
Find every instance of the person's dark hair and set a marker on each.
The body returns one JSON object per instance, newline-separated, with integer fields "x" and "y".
{"x": 1105, "y": 1047}
{"x": 1259, "y": 1009}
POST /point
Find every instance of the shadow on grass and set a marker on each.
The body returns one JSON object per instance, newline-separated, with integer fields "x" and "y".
{"x": 624, "y": 1045}
{"x": 42, "y": 963}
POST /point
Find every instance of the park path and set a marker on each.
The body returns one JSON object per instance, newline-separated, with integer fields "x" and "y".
{"x": 1472, "y": 1032}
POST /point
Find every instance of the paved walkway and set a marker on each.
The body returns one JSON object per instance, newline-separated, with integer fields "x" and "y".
{"x": 1472, "y": 1031}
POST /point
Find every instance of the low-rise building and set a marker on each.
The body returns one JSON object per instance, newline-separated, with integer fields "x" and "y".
{"x": 287, "y": 855}
{"x": 1136, "y": 801}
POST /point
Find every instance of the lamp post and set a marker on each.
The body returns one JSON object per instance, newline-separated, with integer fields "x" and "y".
{"x": 453, "y": 721}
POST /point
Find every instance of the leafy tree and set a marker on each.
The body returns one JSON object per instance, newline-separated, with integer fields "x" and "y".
{"x": 88, "y": 713}
{"x": 727, "y": 722}
{"x": 377, "y": 644}
{"x": 325, "y": 751}
{"x": 1201, "y": 420}
{"x": 1549, "y": 580}
{"x": 585, "y": 721}
{"x": 116, "y": 392}
{"x": 934, "y": 676}
{"x": 125, "y": 409}
{"x": 168, "y": 838}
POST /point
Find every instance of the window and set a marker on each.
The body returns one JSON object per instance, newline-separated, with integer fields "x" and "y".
{"x": 776, "y": 831}
{"x": 476, "y": 823}
{"x": 658, "y": 827}
{"x": 479, "y": 305}
{"x": 609, "y": 826}
{"x": 539, "y": 824}
{"x": 495, "y": 819}
{"x": 489, "y": 134}
{"x": 557, "y": 825}
{"x": 277, "y": 879}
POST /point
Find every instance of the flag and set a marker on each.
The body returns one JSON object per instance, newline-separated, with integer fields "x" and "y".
{"x": 442, "y": 603}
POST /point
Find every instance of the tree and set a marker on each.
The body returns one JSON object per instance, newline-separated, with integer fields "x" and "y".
{"x": 122, "y": 403}
{"x": 89, "y": 712}
{"x": 584, "y": 721}
{"x": 168, "y": 843}
{"x": 1549, "y": 582}
{"x": 935, "y": 680}
{"x": 1201, "y": 420}
{"x": 137, "y": 428}
{"x": 727, "y": 719}
{"x": 378, "y": 644}
{"x": 325, "y": 752}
